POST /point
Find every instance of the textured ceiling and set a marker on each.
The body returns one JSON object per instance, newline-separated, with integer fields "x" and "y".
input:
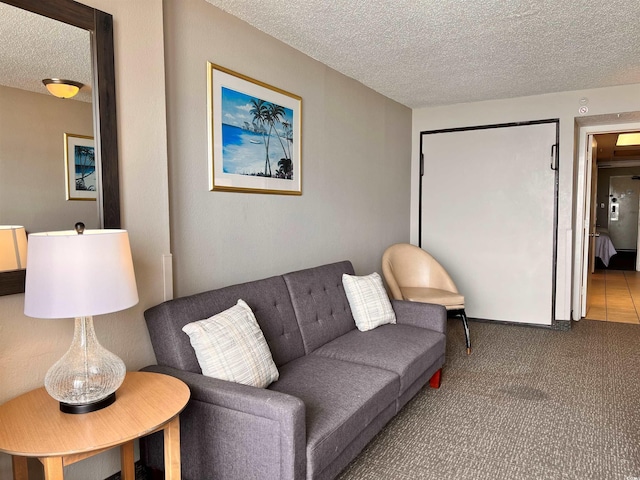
{"x": 418, "y": 52}
{"x": 437, "y": 52}
{"x": 35, "y": 47}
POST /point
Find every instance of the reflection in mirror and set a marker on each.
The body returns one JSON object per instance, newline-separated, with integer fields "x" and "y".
{"x": 33, "y": 125}
{"x": 58, "y": 157}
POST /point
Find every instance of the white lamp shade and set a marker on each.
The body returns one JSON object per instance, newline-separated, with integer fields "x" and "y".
{"x": 13, "y": 248}
{"x": 73, "y": 275}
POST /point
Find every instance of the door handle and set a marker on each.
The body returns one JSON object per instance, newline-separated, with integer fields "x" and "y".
{"x": 594, "y": 234}
{"x": 554, "y": 154}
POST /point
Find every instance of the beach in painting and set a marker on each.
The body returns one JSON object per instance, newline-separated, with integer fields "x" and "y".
{"x": 243, "y": 151}
{"x": 256, "y": 136}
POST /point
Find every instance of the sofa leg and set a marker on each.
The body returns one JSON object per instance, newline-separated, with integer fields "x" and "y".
{"x": 434, "y": 381}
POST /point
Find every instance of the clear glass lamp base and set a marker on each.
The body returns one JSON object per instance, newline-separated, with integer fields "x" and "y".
{"x": 86, "y": 378}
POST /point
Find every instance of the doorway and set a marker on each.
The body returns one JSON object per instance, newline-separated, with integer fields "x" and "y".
{"x": 596, "y": 209}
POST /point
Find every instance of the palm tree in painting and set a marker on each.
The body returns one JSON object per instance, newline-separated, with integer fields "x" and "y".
{"x": 276, "y": 114}
{"x": 85, "y": 165}
{"x": 286, "y": 168}
{"x": 260, "y": 112}
{"x": 288, "y": 135}
{"x": 269, "y": 114}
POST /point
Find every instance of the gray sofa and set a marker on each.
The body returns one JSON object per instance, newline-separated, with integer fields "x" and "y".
{"x": 338, "y": 386}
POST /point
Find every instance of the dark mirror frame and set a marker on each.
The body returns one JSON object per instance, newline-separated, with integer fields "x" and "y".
{"x": 100, "y": 26}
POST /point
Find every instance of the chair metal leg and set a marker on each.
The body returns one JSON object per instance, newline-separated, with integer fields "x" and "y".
{"x": 466, "y": 331}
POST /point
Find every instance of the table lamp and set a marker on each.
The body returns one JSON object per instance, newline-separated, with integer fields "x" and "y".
{"x": 79, "y": 274}
{"x": 13, "y": 248}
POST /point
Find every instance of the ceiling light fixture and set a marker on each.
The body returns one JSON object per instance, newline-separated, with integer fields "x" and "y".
{"x": 627, "y": 139}
{"x": 62, "y": 88}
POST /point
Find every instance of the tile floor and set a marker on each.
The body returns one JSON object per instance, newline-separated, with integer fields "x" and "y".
{"x": 615, "y": 296}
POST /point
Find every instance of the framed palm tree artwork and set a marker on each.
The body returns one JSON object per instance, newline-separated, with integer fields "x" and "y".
{"x": 254, "y": 135}
{"x": 80, "y": 167}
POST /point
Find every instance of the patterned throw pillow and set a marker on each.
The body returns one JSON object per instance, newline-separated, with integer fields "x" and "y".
{"x": 231, "y": 346}
{"x": 368, "y": 300}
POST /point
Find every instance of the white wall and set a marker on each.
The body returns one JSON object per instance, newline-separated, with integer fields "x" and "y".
{"x": 29, "y": 346}
{"x": 355, "y": 161}
{"x": 559, "y": 105}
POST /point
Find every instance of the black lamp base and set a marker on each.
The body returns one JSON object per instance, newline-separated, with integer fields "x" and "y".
{"x": 88, "y": 407}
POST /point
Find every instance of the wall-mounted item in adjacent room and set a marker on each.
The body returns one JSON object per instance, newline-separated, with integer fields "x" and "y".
{"x": 80, "y": 165}
{"x": 254, "y": 135}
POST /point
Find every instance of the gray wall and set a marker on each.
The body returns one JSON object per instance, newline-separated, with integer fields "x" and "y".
{"x": 356, "y": 149}
{"x": 32, "y": 169}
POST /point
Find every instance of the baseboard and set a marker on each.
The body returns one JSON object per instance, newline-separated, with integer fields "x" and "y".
{"x": 563, "y": 325}
{"x": 142, "y": 473}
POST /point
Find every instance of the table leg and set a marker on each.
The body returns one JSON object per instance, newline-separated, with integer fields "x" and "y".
{"x": 172, "y": 449}
{"x": 127, "y": 461}
{"x": 53, "y": 469}
{"x": 20, "y": 468}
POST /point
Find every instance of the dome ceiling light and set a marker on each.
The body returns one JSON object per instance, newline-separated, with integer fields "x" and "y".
{"x": 62, "y": 88}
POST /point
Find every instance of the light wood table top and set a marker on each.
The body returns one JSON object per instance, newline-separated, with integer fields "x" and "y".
{"x": 32, "y": 424}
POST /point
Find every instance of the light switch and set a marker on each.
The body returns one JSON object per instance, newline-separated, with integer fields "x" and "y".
{"x": 614, "y": 212}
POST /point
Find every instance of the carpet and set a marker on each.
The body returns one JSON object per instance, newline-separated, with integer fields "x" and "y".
{"x": 528, "y": 403}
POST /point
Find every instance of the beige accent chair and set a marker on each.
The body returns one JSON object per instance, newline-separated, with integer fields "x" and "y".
{"x": 412, "y": 274}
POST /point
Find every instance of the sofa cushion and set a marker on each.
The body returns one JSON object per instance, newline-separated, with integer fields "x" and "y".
{"x": 368, "y": 300}
{"x": 404, "y": 349}
{"x": 230, "y": 346}
{"x": 321, "y": 306}
{"x": 340, "y": 398}
{"x": 268, "y": 299}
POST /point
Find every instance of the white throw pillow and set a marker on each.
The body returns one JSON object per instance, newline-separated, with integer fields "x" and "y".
{"x": 368, "y": 300}
{"x": 231, "y": 346}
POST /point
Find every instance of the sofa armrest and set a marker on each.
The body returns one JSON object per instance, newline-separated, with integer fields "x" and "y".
{"x": 224, "y": 420}
{"x": 425, "y": 315}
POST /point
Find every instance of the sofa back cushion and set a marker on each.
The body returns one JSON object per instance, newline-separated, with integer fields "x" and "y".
{"x": 268, "y": 299}
{"x": 320, "y": 303}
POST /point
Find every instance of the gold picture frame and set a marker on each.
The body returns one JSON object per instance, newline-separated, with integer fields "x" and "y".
{"x": 254, "y": 135}
{"x": 80, "y": 167}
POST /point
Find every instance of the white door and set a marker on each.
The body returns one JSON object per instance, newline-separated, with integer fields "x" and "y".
{"x": 489, "y": 216}
{"x": 591, "y": 202}
{"x": 623, "y": 212}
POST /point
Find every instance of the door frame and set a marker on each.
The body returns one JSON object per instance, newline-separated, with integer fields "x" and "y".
{"x": 581, "y": 190}
{"x": 590, "y": 212}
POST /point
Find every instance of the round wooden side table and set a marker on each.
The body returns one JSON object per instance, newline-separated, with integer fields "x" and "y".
{"x": 32, "y": 425}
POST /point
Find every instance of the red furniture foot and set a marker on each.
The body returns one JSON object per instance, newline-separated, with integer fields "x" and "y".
{"x": 434, "y": 382}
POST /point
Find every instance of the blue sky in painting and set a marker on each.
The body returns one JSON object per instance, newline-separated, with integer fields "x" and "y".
{"x": 237, "y": 105}
{"x": 243, "y": 147}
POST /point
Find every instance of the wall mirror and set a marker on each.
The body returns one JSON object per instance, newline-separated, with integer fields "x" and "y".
{"x": 101, "y": 104}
